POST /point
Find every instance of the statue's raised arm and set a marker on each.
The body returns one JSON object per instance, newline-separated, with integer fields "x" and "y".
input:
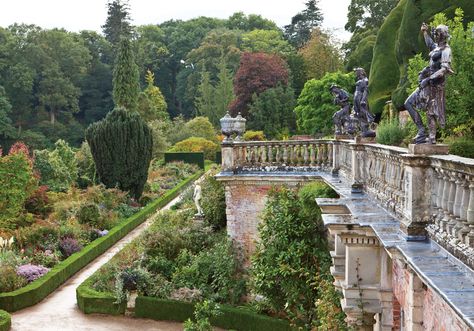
{"x": 428, "y": 40}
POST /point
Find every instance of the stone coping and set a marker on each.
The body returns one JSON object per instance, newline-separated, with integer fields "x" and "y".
{"x": 444, "y": 273}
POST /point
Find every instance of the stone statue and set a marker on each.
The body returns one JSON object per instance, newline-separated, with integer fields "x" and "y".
{"x": 430, "y": 94}
{"x": 342, "y": 118}
{"x": 361, "y": 103}
{"x": 197, "y": 196}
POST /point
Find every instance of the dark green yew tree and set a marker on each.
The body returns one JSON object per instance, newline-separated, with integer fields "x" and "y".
{"x": 121, "y": 145}
{"x": 126, "y": 77}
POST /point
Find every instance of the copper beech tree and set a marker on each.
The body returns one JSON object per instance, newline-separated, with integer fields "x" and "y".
{"x": 257, "y": 73}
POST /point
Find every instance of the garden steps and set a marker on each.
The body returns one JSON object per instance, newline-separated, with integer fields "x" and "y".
{"x": 59, "y": 310}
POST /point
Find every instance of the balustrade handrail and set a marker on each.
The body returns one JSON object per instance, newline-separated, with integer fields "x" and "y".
{"x": 279, "y": 142}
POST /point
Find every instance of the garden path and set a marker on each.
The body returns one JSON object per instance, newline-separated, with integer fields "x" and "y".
{"x": 59, "y": 311}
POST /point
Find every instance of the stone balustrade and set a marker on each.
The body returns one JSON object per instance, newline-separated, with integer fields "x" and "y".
{"x": 303, "y": 154}
{"x": 430, "y": 195}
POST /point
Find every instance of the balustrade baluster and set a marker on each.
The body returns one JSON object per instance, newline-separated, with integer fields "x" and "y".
{"x": 285, "y": 155}
{"x": 330, "y": 155}
{"x": 312, "y": 155}
{"x": 270, "y": 154}
{"x": 263, "y": 151}
{"x": 452, "y": 194}
{"x": 470, "y": 212}
{"x": 464, "y": 205}
{"x": 457, "y": 205}
{"x": 305, "y": 155}
{"x": 277, "y": 155}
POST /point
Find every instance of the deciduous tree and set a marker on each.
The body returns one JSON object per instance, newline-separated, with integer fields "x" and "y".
{"x": 257, "y": 73}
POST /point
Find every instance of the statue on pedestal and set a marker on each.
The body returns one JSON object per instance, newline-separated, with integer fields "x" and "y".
{"x": 361, "y": 103}
{"x": 197, "y": 196}
{"x": 430, "y": 94}
{"x": 342, "y": 118}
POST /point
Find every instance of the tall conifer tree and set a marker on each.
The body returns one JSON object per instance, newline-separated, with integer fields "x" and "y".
{"x": 126, "y": 77}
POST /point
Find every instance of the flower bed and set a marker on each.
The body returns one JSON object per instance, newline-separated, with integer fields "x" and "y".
{"x": 40, "y": 288}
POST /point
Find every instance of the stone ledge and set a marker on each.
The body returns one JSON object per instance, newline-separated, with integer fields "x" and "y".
{"x": 428, "y": 149}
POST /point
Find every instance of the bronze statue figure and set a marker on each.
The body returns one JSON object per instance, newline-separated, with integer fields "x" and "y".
{"x": 361, "y": 103}
{"x": 342, "y": 118}
{"x": 430, "y": 94}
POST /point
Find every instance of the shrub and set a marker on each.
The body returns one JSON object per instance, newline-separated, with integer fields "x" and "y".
{"x": 58, "y": 167}
{"x": 86, "y": 174}
{"x": 38, "y": 202}
{"x": 291, "y": 251}
{"x": 69, "y": 246}
{"x": 195, "y": 144}
{"x": 89, "y": 213}
{"x": 251, "y": 135}
{"x": 201, "y": 127}
{"x": 31, "y": 272}
{"x": 461, "y": 146}
{"x": 389, "y": 132}
{"x": 17, "y": 183}
{"x": 121, "y": 145}
{"x": 203, "y": 312}
{"x": 213, "y": 203}
{"x": 10, "y": 280}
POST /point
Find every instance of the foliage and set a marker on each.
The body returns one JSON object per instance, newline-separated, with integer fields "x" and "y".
{"x": 462, "y": 146}
{"x": 18, "y": 183}
{"x": 86, "y": 174}
{"x": 360, "y": 49}
{"x": 197, "y": 144}
{"x": 291, "y": 251}
{"x": 126, "y": 77}
{"x": 266, "y": 41}
{"x": 240, "y": 21}
{"x": 389, "y": 132}
{"x": 89, "y": 213}
{"x": 459, "y": 94}
{"x": 6, "y": 128}
{"x": 31, "y": 272}
{"x": 213, "y": 101}
{"x": 201, "y": 127}
{"x": 10, "y": 280}
{"x": 213, "y": 202}
{"x": 151, "y": 103}
{"x": 315, "y": 106}
{"x": 160, "y": 139}
{"x": 320, "y": 54}
{"x": 272, "y": 111}
{"x": 117, "y": 24}
{"x": 121, "y": 145}
{"x": 58, "y": 168}
{"x": 202, "y": 314}
{"x": 399, "y": 38}
{"x": 328, "y": 305}
{"x": 251, "y": 135}
{"x": 368, "y": 14}
{"x": 303, "y": 23}
{"x": 38, "y": 202}
{"x": 257, "y": 73}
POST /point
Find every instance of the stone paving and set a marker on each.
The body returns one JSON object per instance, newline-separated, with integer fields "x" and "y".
{"x": 59, "y": 310}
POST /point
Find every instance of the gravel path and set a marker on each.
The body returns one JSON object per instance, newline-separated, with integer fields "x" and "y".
{"x": 59, "y": 310}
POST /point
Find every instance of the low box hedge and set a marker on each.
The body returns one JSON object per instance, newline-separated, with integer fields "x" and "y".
{"x": 36, "y": 291}
{"x": 230, "y": 318}
{"x": 5, "y": 321}
{"x": 186, "y": 157}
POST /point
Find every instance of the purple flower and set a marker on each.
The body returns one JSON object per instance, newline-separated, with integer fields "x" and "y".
{"x": 31, "y": 272}
{"x": 69, "y": 246}
{"x": 102, "y": 233}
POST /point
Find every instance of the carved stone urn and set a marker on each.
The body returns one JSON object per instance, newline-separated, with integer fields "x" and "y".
{"x": 239, "y": 127}
{"x": 227, "y": 127}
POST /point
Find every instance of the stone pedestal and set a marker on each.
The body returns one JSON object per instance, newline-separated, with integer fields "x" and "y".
{"x": 428, "y": 149}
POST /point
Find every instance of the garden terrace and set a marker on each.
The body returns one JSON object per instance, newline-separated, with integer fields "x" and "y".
{"x": 402, "y": 229}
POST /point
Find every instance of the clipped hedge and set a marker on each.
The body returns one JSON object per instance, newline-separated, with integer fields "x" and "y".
{"x": 231, "y": 318}
{"x": 36, "y": 291}
{"x": 5, "y": 321}
{"x": 186, "y": 157}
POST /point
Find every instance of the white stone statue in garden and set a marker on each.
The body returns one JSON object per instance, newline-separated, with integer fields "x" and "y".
{"x": 197, "y": 197}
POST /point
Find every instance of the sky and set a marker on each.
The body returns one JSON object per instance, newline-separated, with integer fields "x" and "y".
{"x": 76, "y": 15}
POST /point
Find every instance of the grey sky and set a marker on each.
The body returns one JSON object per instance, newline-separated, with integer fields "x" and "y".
{"x": 76, "y": 15}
